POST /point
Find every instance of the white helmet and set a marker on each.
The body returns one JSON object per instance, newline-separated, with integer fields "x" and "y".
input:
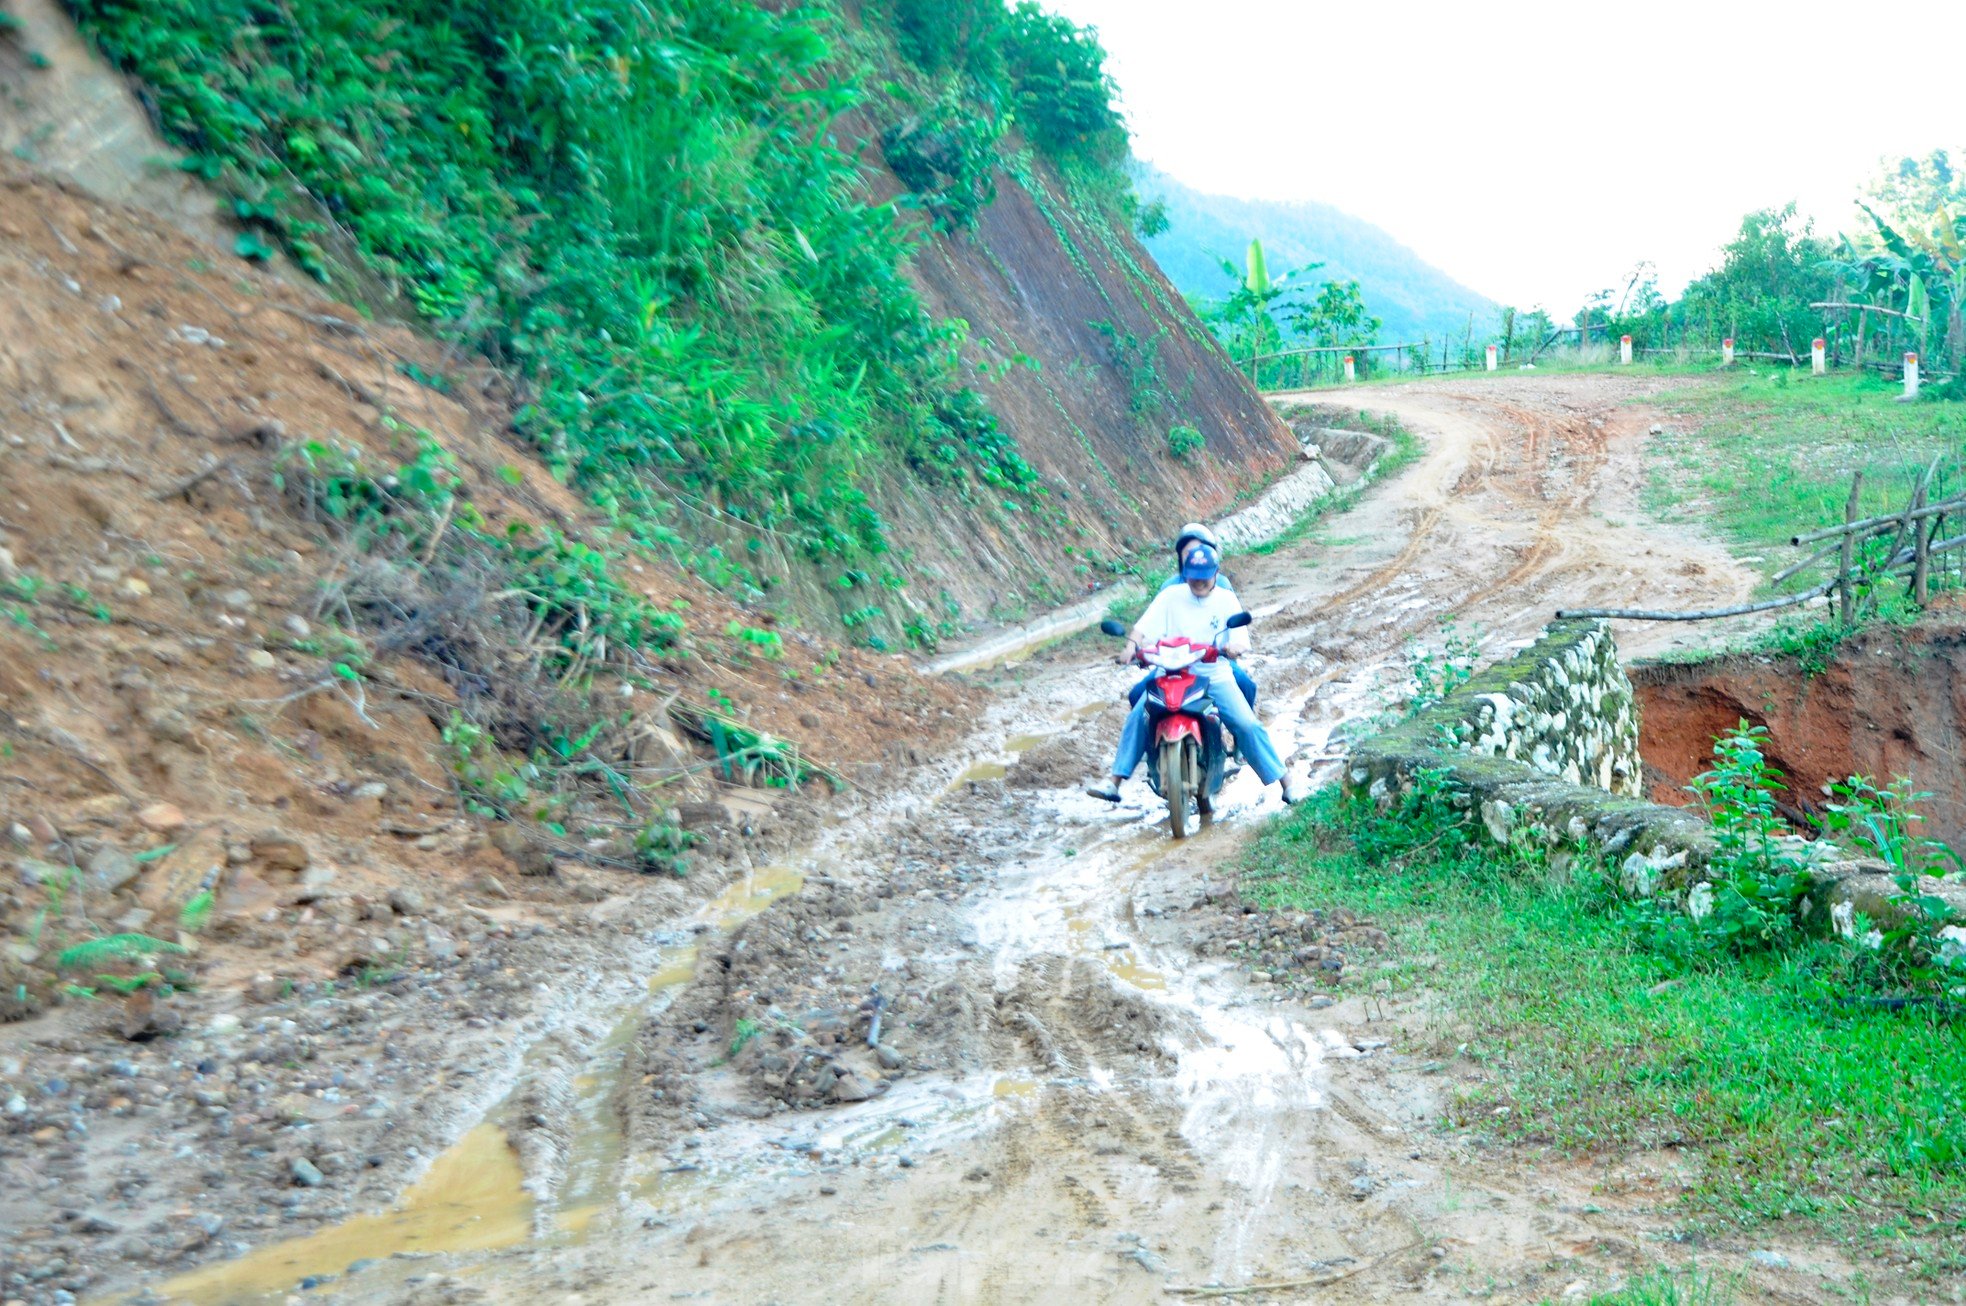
{"x": 1194, "y": 530}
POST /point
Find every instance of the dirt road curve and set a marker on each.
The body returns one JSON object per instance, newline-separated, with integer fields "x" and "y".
{"x": 1079, "y": 1098}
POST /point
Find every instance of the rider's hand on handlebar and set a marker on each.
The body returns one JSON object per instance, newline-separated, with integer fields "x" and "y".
{"x": 1129, "y": 655}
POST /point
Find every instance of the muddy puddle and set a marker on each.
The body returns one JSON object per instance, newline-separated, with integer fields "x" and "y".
{"x": 998, "y": 765}
{"x": 474, "y": 1196}
{"x": 472, "y": 1199}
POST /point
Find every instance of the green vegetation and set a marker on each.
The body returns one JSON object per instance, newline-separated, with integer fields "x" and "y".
{"x": 1669, "y": 1288}
{"x": 1896, "y": 284}
{"x": 1184, "y": 442}
{"x": 1802, "y": 1102}
{"x": 653, "y": 211}
{"x": 1760, "y": 458}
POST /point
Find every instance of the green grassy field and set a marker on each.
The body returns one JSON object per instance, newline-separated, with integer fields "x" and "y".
{"x": 1803, "y": 1110}
{"x": 1759, "y": 458}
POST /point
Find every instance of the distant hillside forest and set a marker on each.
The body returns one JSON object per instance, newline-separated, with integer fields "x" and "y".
{"x": 1411, "y": 298}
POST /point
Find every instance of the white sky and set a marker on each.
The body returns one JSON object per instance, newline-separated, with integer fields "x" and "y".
{"x": 1536, "y": 151}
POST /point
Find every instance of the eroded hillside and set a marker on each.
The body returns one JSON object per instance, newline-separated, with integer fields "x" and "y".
{"x": 842, "y": 313}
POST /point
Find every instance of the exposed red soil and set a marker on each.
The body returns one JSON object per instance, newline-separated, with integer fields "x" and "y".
{"x": 1891, "y": 703}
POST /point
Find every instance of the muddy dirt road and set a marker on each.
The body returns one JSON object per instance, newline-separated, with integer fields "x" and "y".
{"x": 1079, "y": 1095}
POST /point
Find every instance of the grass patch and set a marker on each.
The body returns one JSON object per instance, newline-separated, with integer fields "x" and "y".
{"x": 1803, "y": 1109}
{"x": 1765, "y": 456}
{"x": 1672, "y": 1288}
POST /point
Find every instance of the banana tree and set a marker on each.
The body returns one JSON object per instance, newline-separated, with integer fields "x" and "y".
{"x": 1932, "y": 265}
{"x": 1248, "y": 314}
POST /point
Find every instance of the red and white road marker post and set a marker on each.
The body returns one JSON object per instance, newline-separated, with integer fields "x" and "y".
{"x": 1727, "y": 352}
{"x": 1351, "y": 370}
{"x": 1625, "y": 349}
{"x": 1911, "y": 376}
{"x": 1494, "y": 358}
{"x": 1819, "y": 357}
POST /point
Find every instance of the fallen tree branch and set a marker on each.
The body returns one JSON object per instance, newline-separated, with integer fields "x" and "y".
{"x": 1874, "y": 525}
{"x": 193, "y": 481}
{"x": 1818, "y": 556}
{"x": 1643, "y": 614}
{"x": 337, "y": 324}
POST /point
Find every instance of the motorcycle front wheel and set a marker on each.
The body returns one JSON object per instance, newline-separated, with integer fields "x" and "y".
{"x": 1180, "y": 779}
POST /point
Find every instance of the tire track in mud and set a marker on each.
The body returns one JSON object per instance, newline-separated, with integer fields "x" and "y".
{"x": 1496, "y": 474}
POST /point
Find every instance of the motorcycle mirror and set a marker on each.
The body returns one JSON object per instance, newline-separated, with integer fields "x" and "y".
{"x": 1238, "y": 621}
{"x": 1111, "y": 627}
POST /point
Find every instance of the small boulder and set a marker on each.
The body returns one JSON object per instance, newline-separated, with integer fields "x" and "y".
{"x": 306, "y": 1173}
{"x": 407, "y": 900}
{"x": 280, "y": 851}
{"x": 162, "y": 818}
{"x": 111, "y": 870}
{"x": 851, "y": 1086}
{"x": 490, "y": 885}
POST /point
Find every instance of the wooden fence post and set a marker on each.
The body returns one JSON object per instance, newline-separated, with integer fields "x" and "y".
{"x": 1921, "y": 558}
{"x": 1845, "y": 591}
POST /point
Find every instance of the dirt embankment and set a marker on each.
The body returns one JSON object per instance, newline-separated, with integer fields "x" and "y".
{"x": 1119, "y": 359}
{"x": 1890, "y": 703}
{"x": 174, "y": 730}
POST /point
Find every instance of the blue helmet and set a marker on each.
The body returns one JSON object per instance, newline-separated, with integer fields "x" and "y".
{"x": 1199, "y": 562}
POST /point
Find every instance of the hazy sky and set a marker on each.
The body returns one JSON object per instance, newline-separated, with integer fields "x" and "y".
{"x": 1536, "y": 151}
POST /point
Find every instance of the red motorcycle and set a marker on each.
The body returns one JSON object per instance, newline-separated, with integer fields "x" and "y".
{"x": 1187, "y": 749}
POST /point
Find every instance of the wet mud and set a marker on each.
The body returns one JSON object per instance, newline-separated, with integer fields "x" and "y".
{"x": 1000, "y": 1042}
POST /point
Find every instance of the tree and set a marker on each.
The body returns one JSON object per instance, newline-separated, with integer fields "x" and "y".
{"x": 1769, "y": 274}
{"x": 1337, "y": 317}
{"x": 1924, "y": 186}
{"x": 1246, "y": 320}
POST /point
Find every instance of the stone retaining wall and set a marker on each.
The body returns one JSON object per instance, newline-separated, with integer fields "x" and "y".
{"x": 1545, "y": 747}
{"x": 1563, "y": 706}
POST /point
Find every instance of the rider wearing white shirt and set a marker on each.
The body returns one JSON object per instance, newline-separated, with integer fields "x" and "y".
{"x": 1197, "y": 613}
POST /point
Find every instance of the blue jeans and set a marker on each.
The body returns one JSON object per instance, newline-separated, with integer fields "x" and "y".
{"x": 1251, "y": 738}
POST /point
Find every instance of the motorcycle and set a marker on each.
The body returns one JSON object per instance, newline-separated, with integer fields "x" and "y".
{"x": 1186, "y": 754}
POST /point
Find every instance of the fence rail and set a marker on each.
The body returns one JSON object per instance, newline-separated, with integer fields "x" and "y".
{"x": 1272, "y": 370}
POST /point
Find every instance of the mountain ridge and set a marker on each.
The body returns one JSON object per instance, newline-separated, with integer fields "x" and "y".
{"x": 1410, "y": 296}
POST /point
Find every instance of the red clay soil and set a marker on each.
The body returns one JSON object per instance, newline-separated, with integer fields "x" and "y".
{"x": 1891, "y": 703}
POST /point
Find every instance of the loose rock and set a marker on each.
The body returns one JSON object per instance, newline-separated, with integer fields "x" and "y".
{"x": 161, "y": 817}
